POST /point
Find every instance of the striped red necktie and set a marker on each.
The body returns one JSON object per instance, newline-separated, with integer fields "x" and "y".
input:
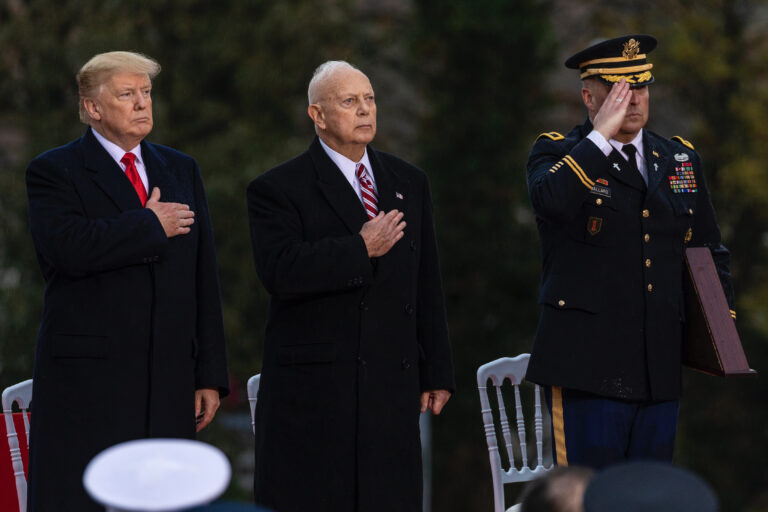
{"x": 370, "y": 201}
{"x": 133, "y": 175}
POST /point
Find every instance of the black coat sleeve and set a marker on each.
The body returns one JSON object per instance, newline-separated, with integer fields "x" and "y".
{"x": 561, "y": 174}
{"x": 211, "y": 363}
{"x": 288, "y": 265}
{"x": 436, "y": 368}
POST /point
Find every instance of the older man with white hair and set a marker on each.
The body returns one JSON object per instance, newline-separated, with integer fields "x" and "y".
{"x": 356, "y": 340}
{"x": 131, "y": 342}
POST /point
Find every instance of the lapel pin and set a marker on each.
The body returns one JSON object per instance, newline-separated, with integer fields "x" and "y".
{"x": 398, "y": 195}
{"x": 656, "y": 167}
{"x": 655, "y": 154}
{"x": 616, "y": 166}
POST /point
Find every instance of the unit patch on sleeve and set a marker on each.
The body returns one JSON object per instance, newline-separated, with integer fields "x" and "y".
{"x": 684, "y": 180}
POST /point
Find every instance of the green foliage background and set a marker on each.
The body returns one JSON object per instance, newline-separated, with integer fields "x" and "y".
{"x": 463, "y": 88}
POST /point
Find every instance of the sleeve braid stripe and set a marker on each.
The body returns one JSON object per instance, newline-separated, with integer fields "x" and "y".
{"x": 579, "y": 172}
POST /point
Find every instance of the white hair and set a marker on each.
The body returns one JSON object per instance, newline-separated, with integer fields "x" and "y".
{"x": 322, "y": 73}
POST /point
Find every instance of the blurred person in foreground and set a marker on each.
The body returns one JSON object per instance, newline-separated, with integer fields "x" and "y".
{"x": 559, "y": 490}
{"x": 356, "y": 340}
{"x": 616, "y": 207}
{"x": 131, "y": 342}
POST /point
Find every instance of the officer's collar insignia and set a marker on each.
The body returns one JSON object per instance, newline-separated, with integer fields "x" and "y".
{"x": 593, "y": 225}
{"x": 681, "y": 157}
{"x": 602, "y": 181}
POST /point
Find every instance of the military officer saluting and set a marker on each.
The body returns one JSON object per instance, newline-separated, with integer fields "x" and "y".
{"x": 616, "y": 206}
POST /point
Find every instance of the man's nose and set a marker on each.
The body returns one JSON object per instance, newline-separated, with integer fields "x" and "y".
{"x": 141, "y": 102}
{"x": 364, "y": 108}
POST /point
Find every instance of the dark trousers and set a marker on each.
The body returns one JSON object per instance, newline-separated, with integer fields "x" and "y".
{"x": 594, "y": 431}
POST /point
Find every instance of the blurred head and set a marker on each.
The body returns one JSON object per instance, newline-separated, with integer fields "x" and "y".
{"x": 594, "y": 92}
{"x": 343, "y": 108}
{"x": 115, "y": 96}
{"x": 559, "y": 490}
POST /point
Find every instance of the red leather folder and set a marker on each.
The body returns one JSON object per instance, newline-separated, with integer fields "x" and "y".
{"x": 711, "y": 343}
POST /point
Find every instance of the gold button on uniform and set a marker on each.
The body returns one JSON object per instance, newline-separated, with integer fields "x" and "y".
{"x": 647, "y": 237}
{"x": 561, "y": 303}
{"x": 598, "y": 201}
{"x": 646, "y": 213}
{"x": 690, "y": 211}
{"x": 648, "y": 263}
{"x": 650, "y": 287}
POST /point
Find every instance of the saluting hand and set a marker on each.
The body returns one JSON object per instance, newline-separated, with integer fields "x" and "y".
{"x": 174, "y": 217}
{"x": 610, "y": 117}
{"x": 382, "y": 232}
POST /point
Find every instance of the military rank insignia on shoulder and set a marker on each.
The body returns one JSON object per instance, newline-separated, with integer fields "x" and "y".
{"x": 683, "y": 141}
{"x": 551, "y": 135}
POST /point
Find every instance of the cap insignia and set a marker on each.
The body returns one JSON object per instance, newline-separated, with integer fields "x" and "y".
{"x": 631, "y": 49}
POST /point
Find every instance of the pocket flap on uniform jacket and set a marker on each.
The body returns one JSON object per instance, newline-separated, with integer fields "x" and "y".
{"x": 306, "y": 353}
{"x": 571, "y": 295}
{"x": 76, "y": 345}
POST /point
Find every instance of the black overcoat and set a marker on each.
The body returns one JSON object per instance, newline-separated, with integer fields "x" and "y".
{"x": 350, "y": 342}
{"x": 613, "y": 262}
{"x": 131, "y": 322}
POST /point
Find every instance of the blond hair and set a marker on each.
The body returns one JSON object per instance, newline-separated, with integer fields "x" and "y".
{"x": 97, "y": 71}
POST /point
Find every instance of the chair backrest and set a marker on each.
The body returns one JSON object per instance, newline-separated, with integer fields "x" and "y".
{"x": 21, "y": 394}
{"x": 253, "y": 391}
{"x": 512, "y": 369}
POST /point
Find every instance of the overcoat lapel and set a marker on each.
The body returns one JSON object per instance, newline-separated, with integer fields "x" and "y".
{"x": 108, "y": 175}
{"x": 160, "y": 176}
{"x": 394, "y": 194}
{"x": 624, "y": 172}
{"x": 336, "y": 189}
{"x": 656, "y": 162}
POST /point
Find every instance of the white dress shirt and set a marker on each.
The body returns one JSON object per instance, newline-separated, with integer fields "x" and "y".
{"x": 117, "y": 153}
{"x": 348, "y": 168}
{"x": 606, "y": 146}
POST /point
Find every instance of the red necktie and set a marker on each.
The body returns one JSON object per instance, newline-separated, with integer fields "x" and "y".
{"x": 370, "y": 201}
{"x": 133, "y": 175}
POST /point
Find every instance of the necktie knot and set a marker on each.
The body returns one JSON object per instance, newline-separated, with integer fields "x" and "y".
{"x": 128, "y": 159}
{"x": 629, "y": 150}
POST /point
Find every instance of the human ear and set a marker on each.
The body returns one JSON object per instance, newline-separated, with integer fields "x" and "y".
{"x": 317, "y": 115}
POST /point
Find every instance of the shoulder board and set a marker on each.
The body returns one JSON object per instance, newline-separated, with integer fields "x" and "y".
{"x": 682, "y": 141}
{"x": 551, "y": 135}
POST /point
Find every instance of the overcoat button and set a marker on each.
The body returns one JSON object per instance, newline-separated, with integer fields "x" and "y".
{"x": 648, "y": 263}
{"x": 561, "y": 303}
{"x": 406, "y": 364}
{"x": 413, "y": 245}
{"x": 363, "y": 306}
{"x": 646, "y": 214}
{"x": 647, "y": 237}
{"x": 409, "y": 309}
{"x": 650, "y": 287}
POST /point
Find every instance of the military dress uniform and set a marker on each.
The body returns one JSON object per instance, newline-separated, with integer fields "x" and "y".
{"x": 612, "y": 283}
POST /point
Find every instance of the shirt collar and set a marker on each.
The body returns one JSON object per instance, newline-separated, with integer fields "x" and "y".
{"x": 115, "y": 151}
{"x": 637, "y": 142}
{"x": 347, "y": 166}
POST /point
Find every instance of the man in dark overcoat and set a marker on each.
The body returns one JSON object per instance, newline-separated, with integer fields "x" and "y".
{"x": 131, "y": 342}
{"x": 356, "y": 340}
{"x": 616, "y": 206}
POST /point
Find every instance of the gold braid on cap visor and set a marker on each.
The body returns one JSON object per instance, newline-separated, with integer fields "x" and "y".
{"x": 620, "y": 72}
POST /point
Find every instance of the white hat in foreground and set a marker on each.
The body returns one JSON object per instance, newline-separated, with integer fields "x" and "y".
{"x": 154, "y": 475}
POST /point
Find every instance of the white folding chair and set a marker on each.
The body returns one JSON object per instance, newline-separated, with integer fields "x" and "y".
{"x": 512, "y": 369}
{"x": 253, "y": 391}
{"x": 21, "y": 394}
